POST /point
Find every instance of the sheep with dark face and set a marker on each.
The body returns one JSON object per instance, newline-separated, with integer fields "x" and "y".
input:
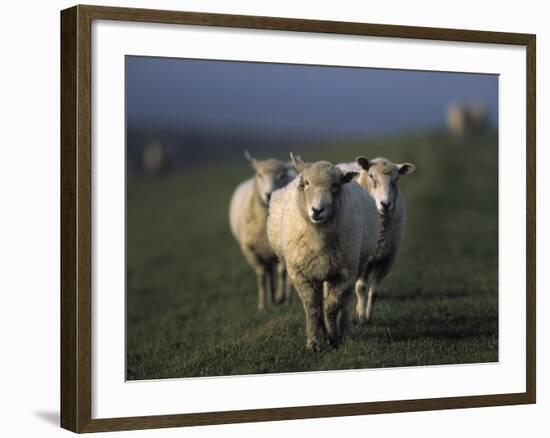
{"x": 248, "y": 217}
{"x": 380, "y": 178}
{"x": 323, "y": 226}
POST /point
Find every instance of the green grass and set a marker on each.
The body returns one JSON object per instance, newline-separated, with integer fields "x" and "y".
{"x": 191, "y": 297}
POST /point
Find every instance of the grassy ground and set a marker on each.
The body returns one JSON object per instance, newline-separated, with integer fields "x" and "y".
{"x": 191, "y": 297}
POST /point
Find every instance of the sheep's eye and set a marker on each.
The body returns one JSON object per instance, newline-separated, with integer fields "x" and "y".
{"x": 279, "y": 176}
{"x": 306, "y": 183}
{"x": 373, "y": 179}
{"x": 334, "y": 187}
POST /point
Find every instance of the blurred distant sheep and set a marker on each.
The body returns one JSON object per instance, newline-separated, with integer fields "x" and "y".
{"x": 323, "y": 226}
{"x": 467, "y": 119}
{"x": 155, "y": 157}
{"x": 248, "y": 217}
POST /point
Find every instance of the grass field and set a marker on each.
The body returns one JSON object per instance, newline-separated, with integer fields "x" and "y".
{"x": 191, "y": 297}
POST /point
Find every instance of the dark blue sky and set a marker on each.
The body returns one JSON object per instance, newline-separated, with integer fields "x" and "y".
{"x": 294, "y": 99}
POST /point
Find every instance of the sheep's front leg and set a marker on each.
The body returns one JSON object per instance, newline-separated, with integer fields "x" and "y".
{"x": 373, "y": 294}
{"x": 361, "y": 293}
{"x": 311, "y": 296}
{"x": 360, "y": 307}
{"x": 335, "y": 311}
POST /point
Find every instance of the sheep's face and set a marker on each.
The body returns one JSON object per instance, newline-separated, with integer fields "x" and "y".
{"x": 320, "y": 185}
{"x": 270, "y": 175}
{"x": 381, "y": 177}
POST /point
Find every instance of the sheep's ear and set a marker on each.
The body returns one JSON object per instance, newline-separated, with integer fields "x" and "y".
{"x": 251, "y": 159}
{"x": 363, "y": 162}
{"x": 349, "y": 176}
{"x": 298, "y": 162}
{"x": 405, "y": 168}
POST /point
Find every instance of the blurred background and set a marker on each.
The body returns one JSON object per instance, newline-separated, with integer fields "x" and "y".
{"x": 191, "y": 297}
{"x": 196, "y": 110}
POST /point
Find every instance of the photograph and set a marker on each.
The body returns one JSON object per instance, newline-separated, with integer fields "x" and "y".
{"x": 287, "y": 218}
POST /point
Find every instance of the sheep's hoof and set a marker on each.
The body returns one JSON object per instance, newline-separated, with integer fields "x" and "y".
{"x": 279, "y": 299}
{"x": 360, "y": 320}
{"x": 316, "y": 345}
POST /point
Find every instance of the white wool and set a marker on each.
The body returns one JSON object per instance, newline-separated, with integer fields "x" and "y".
{"x": 392, "y": 228}
{"x": 323, "y": 257}
{"x": 248, "y": 218}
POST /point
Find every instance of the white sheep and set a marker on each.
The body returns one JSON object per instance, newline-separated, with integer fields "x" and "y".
{"x": 323, "y": 226}
{"x": 478, "y": 115}
{"x": 248, "y": 217}
{"x": 380, "y": 178}
{"x": 155, "y": 157}
{"x": 457, "y": 123}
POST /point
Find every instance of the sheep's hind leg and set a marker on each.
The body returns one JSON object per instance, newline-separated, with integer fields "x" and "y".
{"x": 270, "y": 283}
{"x": 335, "y": 311}
{"x": 264, "y": 300}
{"x": 262, "y": 278}
{"x": 343, "y": 317}
{"x": 282, "y": 284}
{"x": 379, "y": 272}
{"x": 288, "y": 290}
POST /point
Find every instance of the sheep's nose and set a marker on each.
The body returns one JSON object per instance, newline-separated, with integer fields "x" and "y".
{"x": 385, "y": 205}
{"x": 268, "y": 196}
{"x": 316, "y": 212}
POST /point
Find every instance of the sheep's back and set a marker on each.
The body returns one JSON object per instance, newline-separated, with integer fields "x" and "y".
{"x": 349, "y": 167}
{"x": 237, "y": 206}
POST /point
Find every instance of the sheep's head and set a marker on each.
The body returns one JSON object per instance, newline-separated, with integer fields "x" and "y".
{"x": 320, "y": 184}
{"x": 270, "y": 175}
{"x": 381, "y": 177}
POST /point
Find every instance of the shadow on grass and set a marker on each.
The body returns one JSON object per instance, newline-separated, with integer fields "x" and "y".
{"x": 419, "y": 294}
{"x": 434, "y": 327}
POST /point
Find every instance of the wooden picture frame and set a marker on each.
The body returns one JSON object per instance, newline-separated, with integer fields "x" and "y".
{"x": 76, "y": 217}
